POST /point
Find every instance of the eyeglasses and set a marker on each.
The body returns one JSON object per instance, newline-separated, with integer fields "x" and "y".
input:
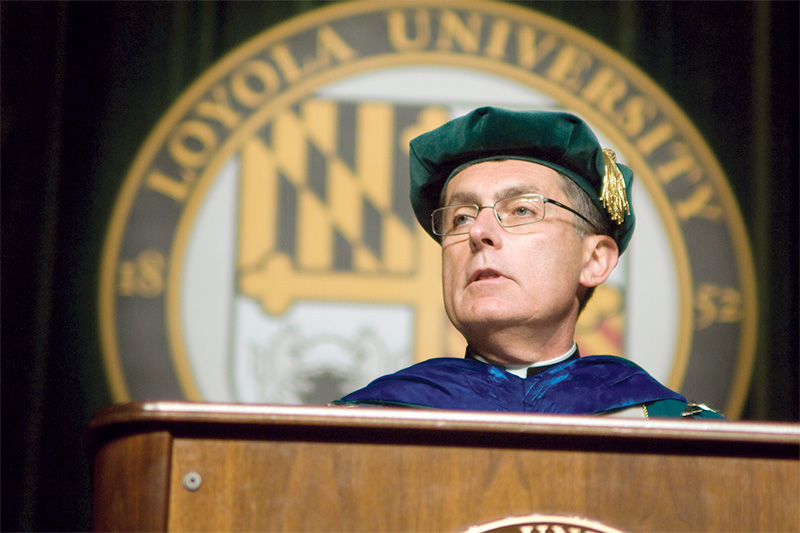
{"x": 512, "y": 213}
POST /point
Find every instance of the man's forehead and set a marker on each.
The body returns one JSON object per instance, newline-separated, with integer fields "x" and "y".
{"x": 500, "y": 179}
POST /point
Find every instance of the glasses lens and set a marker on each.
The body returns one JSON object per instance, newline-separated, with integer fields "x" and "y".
{"x": 520, "y": 210}
{"x": 454, "y": 219}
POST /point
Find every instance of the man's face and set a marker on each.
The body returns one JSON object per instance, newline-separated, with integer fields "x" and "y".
{"x": 495, "y": 280}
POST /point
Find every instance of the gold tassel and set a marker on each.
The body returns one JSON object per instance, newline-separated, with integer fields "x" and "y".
{"x": 613, "y": 194}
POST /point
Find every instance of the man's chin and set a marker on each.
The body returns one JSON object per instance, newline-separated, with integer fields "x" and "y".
{"x": 489, "y": 307}
{"x": 487, "y": 323}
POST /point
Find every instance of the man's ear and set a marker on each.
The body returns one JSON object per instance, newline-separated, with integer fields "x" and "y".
{"x": 600, "y": 257}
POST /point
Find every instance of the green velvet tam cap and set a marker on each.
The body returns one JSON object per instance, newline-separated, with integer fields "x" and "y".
{"x": 557, "y": 140}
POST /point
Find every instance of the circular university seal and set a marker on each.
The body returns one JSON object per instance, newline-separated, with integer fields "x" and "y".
{"x": 542, "y": 524}
{"x": 263, "y": 248}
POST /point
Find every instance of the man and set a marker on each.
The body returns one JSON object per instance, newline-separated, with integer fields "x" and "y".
{"x": 532, "y": 215}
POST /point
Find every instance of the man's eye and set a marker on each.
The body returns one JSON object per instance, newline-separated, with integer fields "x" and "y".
{"x": 461, "y": 219}
{"x": 521, "y": 210}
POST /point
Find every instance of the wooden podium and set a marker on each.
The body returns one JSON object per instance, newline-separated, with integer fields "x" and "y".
{"x": 173, "y": 466}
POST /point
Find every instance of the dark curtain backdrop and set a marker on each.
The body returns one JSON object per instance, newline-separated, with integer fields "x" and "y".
{"x": 84, "y": 83}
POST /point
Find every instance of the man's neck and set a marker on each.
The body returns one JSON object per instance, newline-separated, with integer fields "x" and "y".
{"x": 521, "y": 346}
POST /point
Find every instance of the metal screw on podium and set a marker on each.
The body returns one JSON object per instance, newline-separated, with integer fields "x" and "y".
{"x": 192, "y": 481}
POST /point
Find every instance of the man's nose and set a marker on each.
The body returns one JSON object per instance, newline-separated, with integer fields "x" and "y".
{"x": 485, "y": 230}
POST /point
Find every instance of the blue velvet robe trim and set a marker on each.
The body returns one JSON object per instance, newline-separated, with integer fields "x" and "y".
{"x": 586, "y": 385}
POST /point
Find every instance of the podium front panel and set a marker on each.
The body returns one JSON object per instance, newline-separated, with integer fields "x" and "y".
{"x": 273, "y": 468}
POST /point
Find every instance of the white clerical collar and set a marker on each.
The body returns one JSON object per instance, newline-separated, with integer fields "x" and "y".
{"x": 522, "y": 370}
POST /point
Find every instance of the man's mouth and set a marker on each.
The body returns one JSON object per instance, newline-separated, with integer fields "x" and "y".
{"x": 485, "y": 274}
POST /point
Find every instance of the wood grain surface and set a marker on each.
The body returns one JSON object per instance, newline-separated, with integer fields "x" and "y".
{"x": 272, "y": 468}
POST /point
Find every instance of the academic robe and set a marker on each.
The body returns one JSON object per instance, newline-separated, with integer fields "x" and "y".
{"x": 579, "y": 385}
